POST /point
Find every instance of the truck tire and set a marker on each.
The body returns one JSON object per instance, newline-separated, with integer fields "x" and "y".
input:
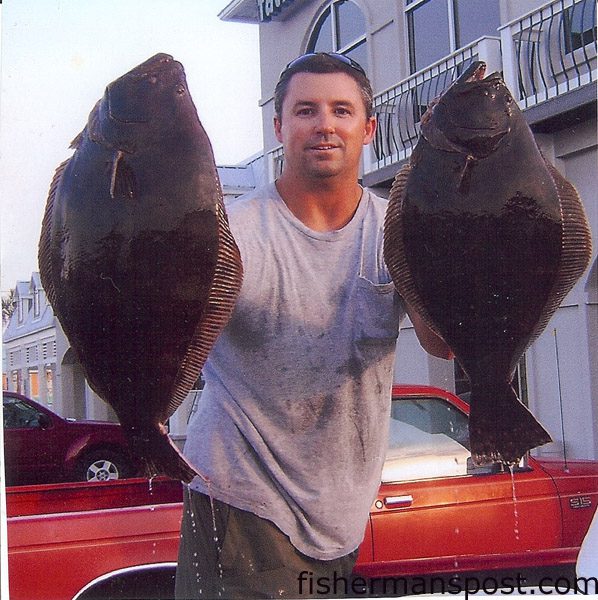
{"x": 103, "y": 465}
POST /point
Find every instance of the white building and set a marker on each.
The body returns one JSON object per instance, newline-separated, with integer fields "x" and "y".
{"x": 412, "y": 49}
{"x": 29, "y": 344}
{"x": 38, "y": 361}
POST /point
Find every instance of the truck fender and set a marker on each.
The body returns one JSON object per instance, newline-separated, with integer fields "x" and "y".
{"x": 143, "y": 582}
{"x": 74, "y": 452}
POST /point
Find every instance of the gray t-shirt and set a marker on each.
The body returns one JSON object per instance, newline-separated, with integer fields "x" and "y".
{"x": 292, "y": 424}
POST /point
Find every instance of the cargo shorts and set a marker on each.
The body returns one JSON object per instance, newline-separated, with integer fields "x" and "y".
{"x": 226, "y": 552}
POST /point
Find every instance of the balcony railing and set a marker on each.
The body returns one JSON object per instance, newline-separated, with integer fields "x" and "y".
{"x": 400, "y": 108}
{"x": 550, "y": 51}
{"x": 544, "y": 54}
{"x": 274, "y": 163}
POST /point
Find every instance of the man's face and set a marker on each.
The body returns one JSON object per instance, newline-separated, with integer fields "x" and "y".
{"x": 323, "y": 126}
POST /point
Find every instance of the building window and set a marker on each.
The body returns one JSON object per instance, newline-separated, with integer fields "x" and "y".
{"x": 439, "y": 27}
{"x": 341, "y": 28}
{"x": 14, "y": 358}
{"x": 34, "y": 384}
{"x": 49, "y": 385}
{"x": 579, "y": 25}
{"x": 20, "y": 310}
{"x": 31, "y": 355}
{"x": 36, "y": 303}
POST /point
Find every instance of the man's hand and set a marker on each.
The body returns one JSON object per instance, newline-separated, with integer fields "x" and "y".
{"x": 430, "y": 341}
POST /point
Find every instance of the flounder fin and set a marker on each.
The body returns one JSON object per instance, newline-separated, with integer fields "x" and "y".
{"x": 576, "y": 247}
{"x": 44, "y": 253}
{"x": 91, "y": 129}
{"x": 158, "y": 455}
{"x": 122, "y": 178}
{"x": 78, "y": 139}
{"x": 501, "y": 428}
{"x": 394, "y": 249}
{"x": 432, "y": 134}
{"x": 226, "y": 285}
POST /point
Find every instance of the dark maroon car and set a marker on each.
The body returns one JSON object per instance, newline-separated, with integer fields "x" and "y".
{"x": 41, "y": 447}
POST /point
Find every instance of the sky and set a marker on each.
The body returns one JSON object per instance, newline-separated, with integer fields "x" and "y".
{"x": 57, "y": 58}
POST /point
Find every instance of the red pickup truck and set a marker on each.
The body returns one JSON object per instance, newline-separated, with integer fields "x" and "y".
{"x": 434, "y": 514}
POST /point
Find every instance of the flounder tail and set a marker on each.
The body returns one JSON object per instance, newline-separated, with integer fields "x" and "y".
{"x": 158, "y": 455}
{"x": 501, "y": 428}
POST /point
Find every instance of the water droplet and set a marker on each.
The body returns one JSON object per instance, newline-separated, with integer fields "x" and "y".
{"x": 515, "y": 507}
{"x": 216, "y": 538}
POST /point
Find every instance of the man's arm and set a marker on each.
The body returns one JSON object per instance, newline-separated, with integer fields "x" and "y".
{"x": 430, "y": 341}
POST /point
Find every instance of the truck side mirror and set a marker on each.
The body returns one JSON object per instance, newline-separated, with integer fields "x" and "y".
{"x": 491, "y": 469}
{"x": 44, "y": 421}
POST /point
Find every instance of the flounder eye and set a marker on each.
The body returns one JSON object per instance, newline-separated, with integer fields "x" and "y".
{"x": 180, "y": 90}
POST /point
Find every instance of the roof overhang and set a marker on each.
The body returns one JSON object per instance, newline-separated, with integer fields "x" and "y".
{"x": 243, "y": 11}
{"x": 257, "y": 11}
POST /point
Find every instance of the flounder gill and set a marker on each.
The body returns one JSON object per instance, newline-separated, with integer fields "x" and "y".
{"x": 484, "y": 238}
{"x": 136, "y": 256}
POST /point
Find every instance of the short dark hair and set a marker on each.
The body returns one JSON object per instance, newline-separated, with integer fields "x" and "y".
{"x": 324, "y": 62}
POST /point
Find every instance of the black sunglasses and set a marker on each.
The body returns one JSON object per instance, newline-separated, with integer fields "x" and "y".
{"x": 340, "y": 57}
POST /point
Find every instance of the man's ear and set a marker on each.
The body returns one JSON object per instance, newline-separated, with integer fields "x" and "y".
{"x": 278, "y": 128}
{"x": 370, "y": 130}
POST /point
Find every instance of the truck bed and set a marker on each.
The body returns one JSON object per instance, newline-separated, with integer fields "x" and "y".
{"x": 81, "y": 532}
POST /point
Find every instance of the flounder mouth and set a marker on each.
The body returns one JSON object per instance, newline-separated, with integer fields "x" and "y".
{"x": 126, "y": 102}
{"x": 466, "y": 117}
{"x": 475, "y": 72}
{"x": 473, "y": 80}
{"x": 156, "y": 62}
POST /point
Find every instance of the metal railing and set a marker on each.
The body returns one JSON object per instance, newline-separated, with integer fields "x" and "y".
{"x": 550, "y": 51}
{"x": 400, "y": 108}
{"x": 543, "y": 54}
{"x": 547, "y": 52}
{"x": 274, "y": 163}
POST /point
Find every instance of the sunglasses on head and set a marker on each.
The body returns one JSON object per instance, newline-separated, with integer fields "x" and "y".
{"x": 340, "y": 57}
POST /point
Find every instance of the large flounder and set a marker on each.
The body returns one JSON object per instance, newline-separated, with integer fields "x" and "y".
{"x": 136, "y": 256}
{"x": 484, "y": 239}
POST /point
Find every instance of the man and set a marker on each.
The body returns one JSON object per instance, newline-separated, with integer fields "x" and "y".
{"x": 292, "y": 427}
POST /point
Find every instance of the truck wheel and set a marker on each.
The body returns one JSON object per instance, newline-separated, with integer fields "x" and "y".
{"x": 143, "y": 582}
{"x": 103, "y": 465}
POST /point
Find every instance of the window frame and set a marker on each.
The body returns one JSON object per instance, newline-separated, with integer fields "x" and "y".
{"x": 453, "y": 33}
{"x": 330, "y": 9}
